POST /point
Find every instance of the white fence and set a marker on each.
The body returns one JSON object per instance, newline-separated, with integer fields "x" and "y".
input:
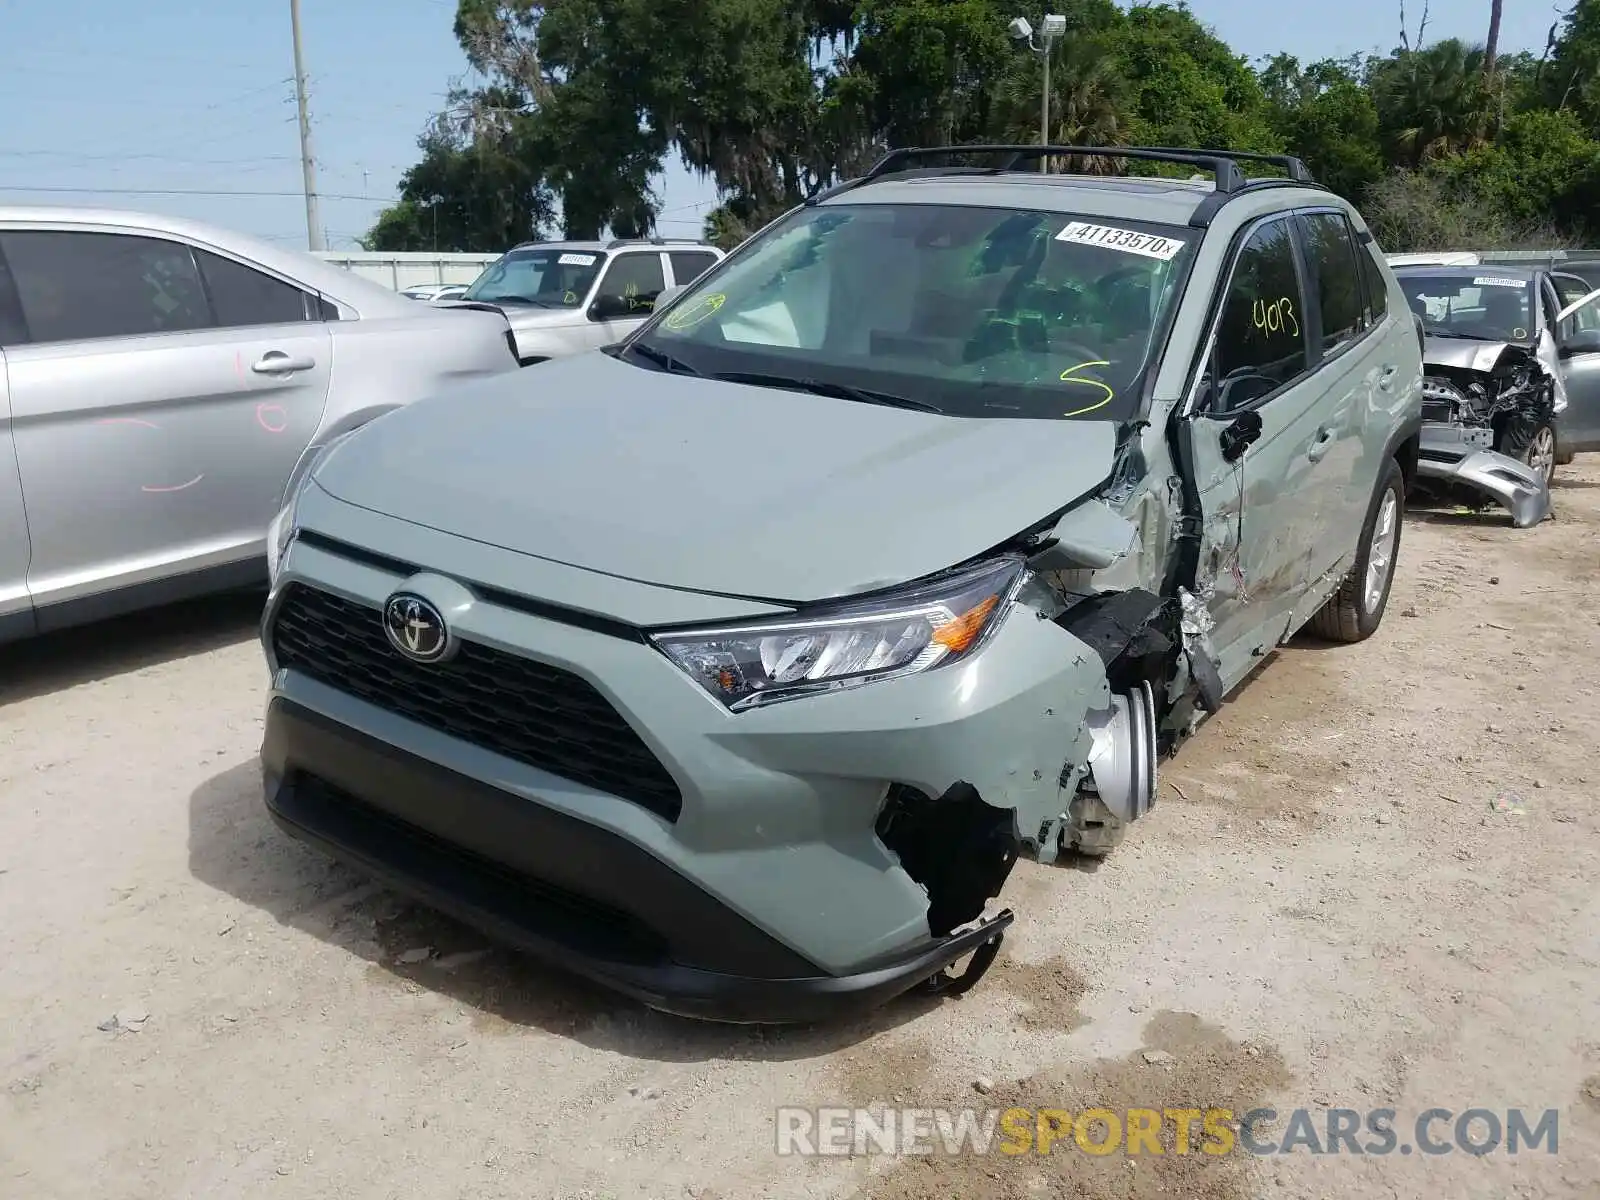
{"x": 400, "y": 270}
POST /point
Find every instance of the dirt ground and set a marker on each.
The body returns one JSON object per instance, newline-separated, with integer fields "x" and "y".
{"x": 1325, "y": 909}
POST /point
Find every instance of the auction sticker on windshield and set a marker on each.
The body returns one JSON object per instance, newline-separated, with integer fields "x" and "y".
{"x": 1130, "y": 241}
{"x": 1498, "y": 281}
{"x": 576, "y": 260}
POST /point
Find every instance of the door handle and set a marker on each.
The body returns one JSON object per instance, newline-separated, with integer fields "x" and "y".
{"x": 1324, "y": 442}
{"x": 1386, "y": 380}
{"x": 276, "y": 362}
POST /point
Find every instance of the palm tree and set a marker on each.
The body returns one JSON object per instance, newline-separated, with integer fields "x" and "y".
{"x": 1492, "y": 45}
{"x": 1086, "y": 103}
{"x": 1433, "y": 101}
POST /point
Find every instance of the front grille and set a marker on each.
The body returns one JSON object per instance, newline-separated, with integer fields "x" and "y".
{"x": 529, "y": 711}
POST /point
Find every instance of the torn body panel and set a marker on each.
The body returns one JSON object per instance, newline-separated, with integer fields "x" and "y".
{"x": 1483, "y": 405}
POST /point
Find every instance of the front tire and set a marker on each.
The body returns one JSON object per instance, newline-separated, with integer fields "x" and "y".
{"x": 1532, "y": 443}
{"x": 1354, "y": 612}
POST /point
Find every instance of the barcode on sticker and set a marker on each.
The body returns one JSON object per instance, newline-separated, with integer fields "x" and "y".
{"x": 1498, "y": 281}
{"x": 1130, "y": 241}
{"x": 577, "y": 260}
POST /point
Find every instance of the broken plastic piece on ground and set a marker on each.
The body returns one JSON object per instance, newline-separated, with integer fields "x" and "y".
{"x": 1509, "y": 803}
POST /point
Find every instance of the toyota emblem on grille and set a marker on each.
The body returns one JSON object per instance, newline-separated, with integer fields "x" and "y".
{"x": 415, "y": 628}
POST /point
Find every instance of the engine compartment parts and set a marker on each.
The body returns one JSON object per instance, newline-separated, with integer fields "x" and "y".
{"x": 1488, "y": 434}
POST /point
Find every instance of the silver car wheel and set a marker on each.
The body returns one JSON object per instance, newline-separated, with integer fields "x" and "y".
{"x": 1542, "y": 454}
{"x": 1380, "y": 553}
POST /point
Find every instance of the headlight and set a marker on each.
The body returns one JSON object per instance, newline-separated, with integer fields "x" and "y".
{"x": 281, "y": 531}
{"x": 903, "y": 633}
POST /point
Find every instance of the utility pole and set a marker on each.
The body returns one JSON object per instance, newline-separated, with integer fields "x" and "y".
{"x": 308, "y": 164}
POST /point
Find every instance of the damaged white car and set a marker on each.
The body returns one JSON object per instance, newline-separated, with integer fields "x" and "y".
{"x": 734, "y": 666}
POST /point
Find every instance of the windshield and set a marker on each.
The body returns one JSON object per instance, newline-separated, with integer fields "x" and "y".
{"x": 964, "y": 311}
{"x": 547, "y": 276}
{"x": 1487, "y": 307}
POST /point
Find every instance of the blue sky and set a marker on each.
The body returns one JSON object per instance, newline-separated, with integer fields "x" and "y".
{"x": 143, "y": 105}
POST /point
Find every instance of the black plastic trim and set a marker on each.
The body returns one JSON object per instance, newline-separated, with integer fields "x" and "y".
{"x": 490, "y": 595}
{"x": 17, "y": 626}
{"x": 246, "y": 575}
{"x": 556, "y": 887}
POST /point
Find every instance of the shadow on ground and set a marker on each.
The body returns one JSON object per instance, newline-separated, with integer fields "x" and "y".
{"x": 235, "y": 847}
{"x": 71, "y": 657}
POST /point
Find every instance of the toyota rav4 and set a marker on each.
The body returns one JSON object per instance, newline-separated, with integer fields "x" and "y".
{"x": 735, "y": 664}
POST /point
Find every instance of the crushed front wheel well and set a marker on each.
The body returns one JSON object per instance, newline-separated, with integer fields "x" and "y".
{"x": 957, "y": 847}
{"x": 1138, "y": 636}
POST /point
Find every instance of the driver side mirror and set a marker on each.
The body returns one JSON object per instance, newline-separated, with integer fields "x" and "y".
{"x": 1581, "y": 341}
{"x": 615, "y": 308}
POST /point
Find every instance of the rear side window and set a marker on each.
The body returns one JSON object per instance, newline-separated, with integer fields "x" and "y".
{"x": 636, "y": 279}
{"x": 244, "y": 296}
{"x": 1377, "y": 289}
{"x": 1335, "y": 278}
{"x": 1261, "y": 342}
{"x": 75, "y": 286}
{"x": 13, "y": 329}
{"x": 689, "y": 265}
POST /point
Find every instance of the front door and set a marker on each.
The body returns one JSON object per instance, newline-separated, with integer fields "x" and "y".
{"x": 16, "y": 606}
{"x": 160, "y": 402}
{"x": 625, "y": 295}
{"x": 1578, "y": 427}
{"x": 1259, "y": 434}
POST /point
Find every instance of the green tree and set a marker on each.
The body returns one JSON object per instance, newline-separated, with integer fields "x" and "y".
{"x": 1324, "y": 115}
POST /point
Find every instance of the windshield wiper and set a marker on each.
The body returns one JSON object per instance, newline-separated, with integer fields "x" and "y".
{"x": 819, "y": 387}
{"x": 660, "y": 357}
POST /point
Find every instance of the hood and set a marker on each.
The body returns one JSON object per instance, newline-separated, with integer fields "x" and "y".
{"x": 521, "y": 316}
{"x": 711, "y": 486}
{"x": 1465, "y": 354}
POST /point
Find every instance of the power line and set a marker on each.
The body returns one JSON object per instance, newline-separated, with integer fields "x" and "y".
{"x": 146, "y": 157}
{"x": 105, "y": 191}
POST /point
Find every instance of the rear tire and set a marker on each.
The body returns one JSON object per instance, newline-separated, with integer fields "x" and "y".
{"x": 1354, "y": 612}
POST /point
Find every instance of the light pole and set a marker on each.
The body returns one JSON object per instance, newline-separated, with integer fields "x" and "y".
{"x": 1053, "y": 26}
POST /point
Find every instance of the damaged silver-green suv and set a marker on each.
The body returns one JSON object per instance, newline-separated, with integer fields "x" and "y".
{"x": 734, "y": 665}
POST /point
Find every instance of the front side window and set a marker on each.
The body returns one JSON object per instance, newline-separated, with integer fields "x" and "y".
{"x": 1335, "y": 277}
{"x": 967, "y": 311}
{"x": 1476, "y": 304}
{"x": 1261, "y": 343}
{"x": 631, "y": 286}
{"x": 541, "y": 277}
{"x": 242, "y": 295}
{"x": 74, "y": 286}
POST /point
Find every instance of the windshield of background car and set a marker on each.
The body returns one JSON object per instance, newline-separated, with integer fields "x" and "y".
{"x": 985, "y": 312}
{"x": 1471, "y": 304}
{"x": 548, "y": 278}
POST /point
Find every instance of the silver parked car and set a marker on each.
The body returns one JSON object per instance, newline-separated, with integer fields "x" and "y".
{"x": 565, "y": 297}
{"x": 736, "y": 665}
{"x": 159, "y": 381}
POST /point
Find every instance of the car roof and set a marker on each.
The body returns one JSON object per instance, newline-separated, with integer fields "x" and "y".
{"x": 337, "y": 283}
{"x": 1130, "y": 198}
{"x": 1505, "y": 270}
{"x": 592, "y": 246}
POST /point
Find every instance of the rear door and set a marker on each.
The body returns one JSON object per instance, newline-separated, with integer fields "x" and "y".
{"x": 626, "y": 295}
{"x": 1259, "y": 436}
{"x": 1579, "y": 427}
{"x": 1356, "y": 370}
{"x": 16, "y": 606}
{"x": 162, "y": 399}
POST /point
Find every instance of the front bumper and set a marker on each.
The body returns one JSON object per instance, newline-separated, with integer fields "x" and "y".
{"x": 754, "y": 871}
{"x": 1449, "y": 455}
{"x": 560, "y": 889}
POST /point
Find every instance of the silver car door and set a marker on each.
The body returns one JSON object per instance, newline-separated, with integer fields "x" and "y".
{"x": 1578, "y": 344}
{"x": 16, "y": 605}
{"x": 151, "y": 443}
{"x": 625, "y": 295}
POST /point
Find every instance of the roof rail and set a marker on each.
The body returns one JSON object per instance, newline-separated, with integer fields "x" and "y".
{"x": 1223, "y": 164}
{"x": 654, "y": 240}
